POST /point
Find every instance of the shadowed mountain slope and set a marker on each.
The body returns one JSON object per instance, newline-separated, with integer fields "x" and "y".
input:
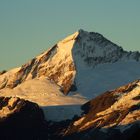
{"x": 112, "y": 115}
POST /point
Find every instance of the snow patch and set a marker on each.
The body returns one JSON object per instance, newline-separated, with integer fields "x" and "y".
{"x": 60, "y": 113}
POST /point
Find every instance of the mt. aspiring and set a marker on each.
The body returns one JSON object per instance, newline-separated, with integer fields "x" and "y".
{"x": 79, "y": 64}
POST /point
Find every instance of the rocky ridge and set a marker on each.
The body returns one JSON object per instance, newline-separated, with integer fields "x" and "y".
{"x": 112, "y": 115}
{"x": 61, "y": 62}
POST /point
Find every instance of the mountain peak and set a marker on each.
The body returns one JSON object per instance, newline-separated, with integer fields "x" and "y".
{"x": 71, "y": 60}
{"x": 84, "y": 33}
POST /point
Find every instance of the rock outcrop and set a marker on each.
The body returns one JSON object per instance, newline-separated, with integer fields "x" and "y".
{"x": 2, "y": 72}
{"x": 111, "y": 116}
{"x": 21, "y": 119}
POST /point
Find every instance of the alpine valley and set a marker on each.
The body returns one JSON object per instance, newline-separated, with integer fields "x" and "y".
{"x": 83, "y": 88}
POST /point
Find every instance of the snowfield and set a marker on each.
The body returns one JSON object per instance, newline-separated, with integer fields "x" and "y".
{"x": 91, "y": 82}
{"x": 61, "y": 112}
{"x": 47, "y": 95}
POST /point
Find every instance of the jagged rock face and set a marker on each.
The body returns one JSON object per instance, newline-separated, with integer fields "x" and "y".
{"x": 64, "y": 63}
{"x": 21, "y": 119}
{"x": 94, "y": 49}
{"x": 112, "y": 115}
{"x": 56, "y": 64}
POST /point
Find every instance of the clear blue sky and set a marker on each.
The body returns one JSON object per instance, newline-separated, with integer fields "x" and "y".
{"x": 28, "y": 27}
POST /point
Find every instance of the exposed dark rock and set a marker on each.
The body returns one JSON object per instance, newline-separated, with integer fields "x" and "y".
{"x": 2, "y": 72}
{"x": 21, "y": 120}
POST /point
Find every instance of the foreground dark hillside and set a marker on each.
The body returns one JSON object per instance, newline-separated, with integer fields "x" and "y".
{"x": 111, "y": 116}
{"x": 21, "y": 120}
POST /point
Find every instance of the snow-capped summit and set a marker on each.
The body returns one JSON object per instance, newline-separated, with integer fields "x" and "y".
{"x": 95, "y": 49}
{"x": 80, "y": 63}
{"x": 76, "y": 69}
